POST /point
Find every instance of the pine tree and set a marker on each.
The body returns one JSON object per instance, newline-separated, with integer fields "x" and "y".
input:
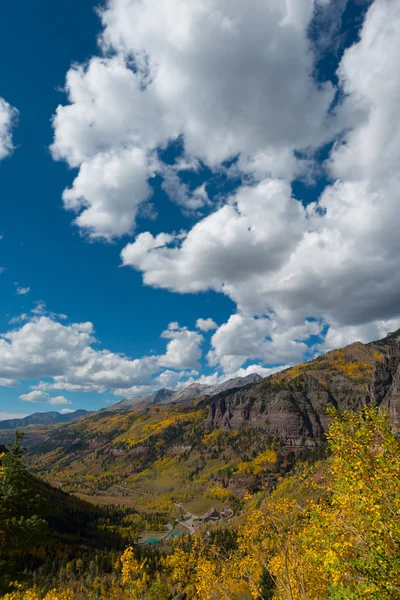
{"x": 19, "y": 501}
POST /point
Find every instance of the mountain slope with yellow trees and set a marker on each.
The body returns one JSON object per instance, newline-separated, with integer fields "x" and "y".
{"x": 332, "y": 532}
{"x": 306, "y": 462}
{"x": 293, "y": 403}
{"x": 327, "y": 532}
{"x": 172, "y": 452}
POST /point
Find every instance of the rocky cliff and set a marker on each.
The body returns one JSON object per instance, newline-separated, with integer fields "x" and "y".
{"x": 293, "y": 403}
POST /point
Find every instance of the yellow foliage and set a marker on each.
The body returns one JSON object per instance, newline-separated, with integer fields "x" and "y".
{"x": 259, "y": 464}
{"x": 1, "y": 468}
{"x": 35, "y": 594}
{"x": 135, "y": 574}
{"x": 340, "y": 544}
{"x": 352, "y": 369}
{"x": 219, "y": 493}
{"x": 290, "y": 374}
{"x": 212, "y": 437}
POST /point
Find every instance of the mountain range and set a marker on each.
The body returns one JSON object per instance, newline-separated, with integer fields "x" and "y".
{"x": 162, "y": 396}
{"x": 165, "y": 396}
{"x": 43, "y": 418}
{"x": 185, "y": 442}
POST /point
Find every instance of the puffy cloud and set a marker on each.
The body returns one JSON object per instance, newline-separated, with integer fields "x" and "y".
{"x": 45, "y": 348}
{"x": 337, "y": 337}
{"x": 8, "y": 118}
{"x": 66, "y": 411}
{"x": 159, "y": 81}
{"x": 40, "y": 396}
{"x": 106, "y": 131}
{"x": 59, "y": 400}
{"x": 35, "y": 396}
{"x": 370, "y": 150}
{"x": 222, "y": 107}
{"x": 206, "y": 324}
{"x": 65, "y": 357}
{"x": 335, "y": 260}
{"x": 244, "y": 338}
{"x": 108, "y": 191}
{"x": 183, "y": 349}
{"x": 253, "y": 234}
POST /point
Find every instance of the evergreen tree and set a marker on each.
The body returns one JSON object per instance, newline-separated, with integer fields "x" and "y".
{"x": 267, "y": 585}
{"x": 19, "y": 501}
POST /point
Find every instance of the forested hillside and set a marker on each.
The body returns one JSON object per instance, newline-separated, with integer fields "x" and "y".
{"x": 168, "y": 453}
{"x": 284, "y": 489}
{"x": 330, "y": 530}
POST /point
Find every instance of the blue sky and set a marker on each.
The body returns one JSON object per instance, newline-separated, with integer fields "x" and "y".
{"x": 193, "y": 168}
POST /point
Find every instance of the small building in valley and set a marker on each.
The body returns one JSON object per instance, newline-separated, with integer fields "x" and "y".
{"x": 211, "y": 515}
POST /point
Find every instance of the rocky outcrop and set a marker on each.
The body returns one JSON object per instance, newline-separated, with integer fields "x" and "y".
{"x": 293, "y": 404}
{"x": 385, "y": 386}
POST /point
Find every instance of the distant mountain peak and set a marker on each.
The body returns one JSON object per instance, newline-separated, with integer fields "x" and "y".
{"x": 162, "y": 395}
{"x": 166, "y": 396}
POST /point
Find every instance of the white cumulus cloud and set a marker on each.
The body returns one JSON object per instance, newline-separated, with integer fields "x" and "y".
{"x": 8, "y": 118}
{"x": 159, "y": 81}
{"x": 291, "y": 269}
{"x": 206, "y": 324}
{"x": 59, "y": 400}
{"x": 67, "y": 355}
{"x": 335, "y": 260}
{"x": 40, "y": 396}
{"x": 35, "y": 396}
{"x": 244, "y": 338}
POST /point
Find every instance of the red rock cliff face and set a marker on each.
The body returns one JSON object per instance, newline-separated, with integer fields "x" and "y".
{"x": 293, "y": 404}
{"x": 385, "y": 386}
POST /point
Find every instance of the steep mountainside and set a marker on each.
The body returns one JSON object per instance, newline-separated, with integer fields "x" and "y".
{"x": 43, "y": 418}
{"x": 293, "y": 403}
{"x": 189, "y": 447}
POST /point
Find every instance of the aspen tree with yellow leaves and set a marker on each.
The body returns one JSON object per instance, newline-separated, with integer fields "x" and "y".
{"x": 341, "y": 542}
{"x": 330, "y": 531}
{"x": 135, "y": 576}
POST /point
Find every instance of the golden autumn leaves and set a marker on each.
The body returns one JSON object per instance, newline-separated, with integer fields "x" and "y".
{"x": 339, "y": 540}
{"x": 328, "y": 532}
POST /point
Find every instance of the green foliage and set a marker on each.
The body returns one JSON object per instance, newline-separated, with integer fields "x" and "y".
{"x": 158, "y": 591}
{"x": 20, "y": 523}
{"x": 267, "y": 585}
